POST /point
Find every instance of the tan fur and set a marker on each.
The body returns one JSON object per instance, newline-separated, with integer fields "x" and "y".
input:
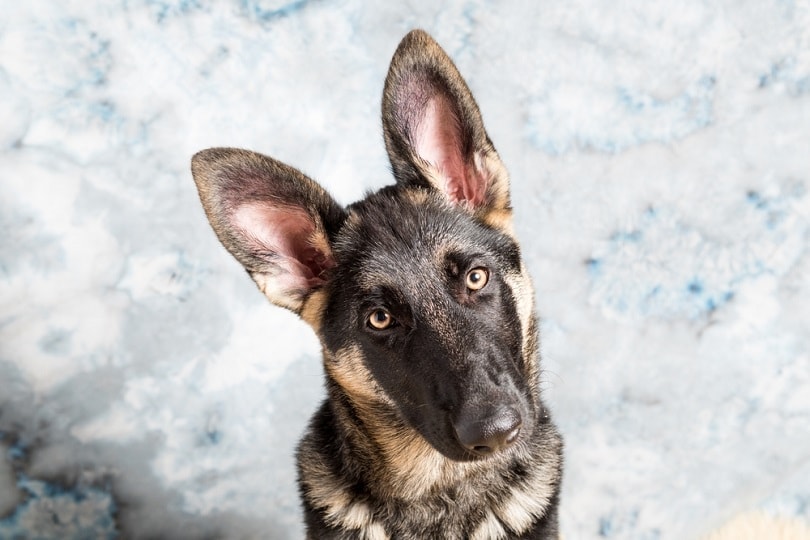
{"x": 414, "y": 467}
{"x": 501, "y": 220}
{"x": 356, "y": 516}
{"x": 375, "y": 531}
{"x": 313, "y": 307}
{"x": 327, "y": 493}
{"x": 325, "y": 490}
{"x": 523, "y": 292}
{"x": 417, "y": 196}
{"x": 497, "y": 211}
{"x": 526, "y": 504}
{"x": 347, "y": 368}
{"x": 489, "y": 529}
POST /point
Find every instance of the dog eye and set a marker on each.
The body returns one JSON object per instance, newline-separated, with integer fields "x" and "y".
{"x": 477, "y": 278}
{"x": 380, "y": 319}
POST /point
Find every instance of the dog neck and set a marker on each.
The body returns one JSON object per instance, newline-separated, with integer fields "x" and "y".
{"x": 380, "y": 460}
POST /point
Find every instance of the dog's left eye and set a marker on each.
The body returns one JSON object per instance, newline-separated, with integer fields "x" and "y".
{"x": 380, "y": 319}
{"x": 477, "y": 278}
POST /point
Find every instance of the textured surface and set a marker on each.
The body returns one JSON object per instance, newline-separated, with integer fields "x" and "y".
{"x": 660, "y": 160}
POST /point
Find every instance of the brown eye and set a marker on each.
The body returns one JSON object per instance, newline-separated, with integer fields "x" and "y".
{"x": 477, "y": 278}
{"x": 380, "y": 319}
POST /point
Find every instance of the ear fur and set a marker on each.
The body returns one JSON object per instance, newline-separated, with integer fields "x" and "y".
{"x": 272, "y": 218}
{"x": 435, "y": 135}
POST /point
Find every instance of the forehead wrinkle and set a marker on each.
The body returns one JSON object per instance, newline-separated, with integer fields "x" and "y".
{"x": 397, "y": 251}
{"x": 411, "y": 271}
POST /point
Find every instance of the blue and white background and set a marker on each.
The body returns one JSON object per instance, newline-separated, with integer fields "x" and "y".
{"x": 660, "y": 161}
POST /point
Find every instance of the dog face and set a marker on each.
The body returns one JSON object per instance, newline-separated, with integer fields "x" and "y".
{"x": 417, "y": 292}
{"x": 421, "y": 303}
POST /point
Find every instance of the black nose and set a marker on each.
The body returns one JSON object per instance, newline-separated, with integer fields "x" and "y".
{"x": 487, "y": 433}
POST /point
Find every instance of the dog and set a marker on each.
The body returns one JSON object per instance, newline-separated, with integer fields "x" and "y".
{"x": 433, "y": 425}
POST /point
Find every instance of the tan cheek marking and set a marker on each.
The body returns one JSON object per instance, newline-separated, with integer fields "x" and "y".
{"x": 313, "y": 308}
{"x": 414, "y": 466}
{"x": 346, "y": 366}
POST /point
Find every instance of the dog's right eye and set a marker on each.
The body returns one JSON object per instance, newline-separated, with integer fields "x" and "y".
{"x": 477, "y": 278}
{"x": 380, "y": 319}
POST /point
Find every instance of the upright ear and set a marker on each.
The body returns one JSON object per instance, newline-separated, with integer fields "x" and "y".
{"x": 434, "y": 133}
{"x": 272, "y": 218}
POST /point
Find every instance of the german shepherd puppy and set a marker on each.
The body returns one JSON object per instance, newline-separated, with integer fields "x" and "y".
{"x": 433, "y": 426}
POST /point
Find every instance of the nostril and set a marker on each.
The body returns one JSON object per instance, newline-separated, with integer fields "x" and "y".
{"x": 486, "y": 432}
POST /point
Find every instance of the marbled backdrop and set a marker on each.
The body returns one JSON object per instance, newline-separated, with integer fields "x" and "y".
{"x": 660, "y": 159}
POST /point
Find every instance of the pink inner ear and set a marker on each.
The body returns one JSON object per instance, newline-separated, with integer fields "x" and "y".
{"x": 285, "y": 237}
{"x": 438, "y": 141}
